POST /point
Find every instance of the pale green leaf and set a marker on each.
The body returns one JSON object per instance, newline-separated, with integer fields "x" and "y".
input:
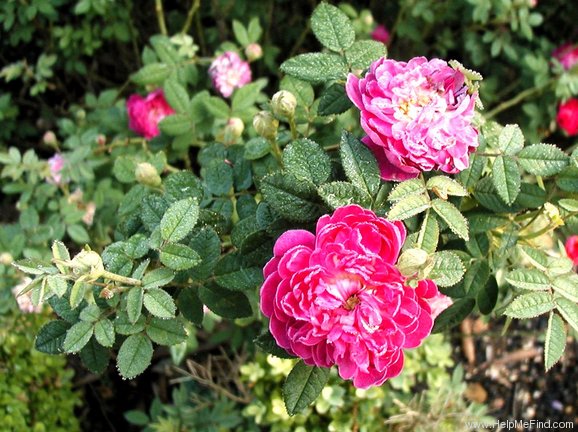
{"x": 530, "y": 279}
{"x": 569, "y": 311}
{"x": 555, "y": 342}
{"x": 530, "y": 305}
{"x": 179, "y": 219}
{"x": 159, "y": 303}
{"x": 316, "y": 67}
{"x": 567, "y": 286}
{"x": 407, "y": 188}
{"x": 77, "y": 336}
{"x": 134, "y": 355}
{"x": 506, "y": 178}
{"x": 543, "y": 159}
{"x": 408, "y": 207}
{"x": 449, "y": 213}
{"x": 104, "y": 332}
{"x": 332, "y": 27}
{"x": 511, "y": 139}
{"x": 447, "y": 269}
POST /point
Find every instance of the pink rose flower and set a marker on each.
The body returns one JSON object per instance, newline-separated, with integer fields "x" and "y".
{"x": 571, "y": 247}
{"x": 380, "y": 34}
{"x": 336, "y": 297}
{"x": 55, "y": 165}
{"x": 228, "y": 72}
{"x": 144, "y": 114}
{"x": 567, "y": 116}
{"x": 566, "y": 54}
{"x": 417, "y": 116}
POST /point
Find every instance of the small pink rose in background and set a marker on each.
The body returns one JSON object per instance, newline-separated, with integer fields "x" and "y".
{"x": 229, "y": 72}
{"x": 336, "y": 297}
{"x": 417, "y": 116}
{"x": 55, "y": 165}
{"x": 567, "y": 55}
{"x": 145, "y": 113}
{"x": 24, "y": 301}
{"x": 567, "y": 116}
{"x": 380, "y": 34}
{"x": 572, "y": 248}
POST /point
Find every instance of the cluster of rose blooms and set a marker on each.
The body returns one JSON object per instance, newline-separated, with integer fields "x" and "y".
{"x": 336, "y": 297}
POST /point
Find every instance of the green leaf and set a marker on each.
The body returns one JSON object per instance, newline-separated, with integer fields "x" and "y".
{"x": 218, "y": 176}
{"x": 268, "y": 344}
{"x": 94, "y": 357}
{"x": 217, "y": 107}
{"x": 190, "y": 306}
{"x": 51, "y": 336}
{"x": 530, "y": 279}
{"x": 182, "y": 185}
{"x": 332, "y": 27}
{"x": 470, "y": 176}
{"x": 254, "y": 30}
{"x": 256, "y": 148}
{"x": 302, "y": 90}
{"x": 79, "y": 289}
{"x": 134, "y": 356}
{"x": 104, "y": 332}
{"x": 240, "y": 33}
{"x": 506, "y": 178}
{"x": 567, "y": 286}
{"x": 158, "y": 278}
{"x": 134, "y": 299}
{"x": 179, "y": 219}
{"x": 124, "y": 168}
{"x": 429, "y": 233}
{"x": 408, "y": 207}
{"x": 77, "y": 336}
{"x": 176, "y": 124}
{"x": 406, "y": 189}
{"x": 488, "y": 297}
{"x": 530, "y": 305}
{"x": 569, "y": 204}
{"x": 208, "y": 245}
{"x": 339, "y": 194}
{"x": 57, "y": 284}
{"x": 485, "y": 222}
{"x": 511, "y": 140}
{"x": 359, "y": 164}
{"x": 454, "y": 315}
{"x": 153, "y": 208}
{"x": 543, "y": 159}
{"x": 166, "y": 331}
{"x": 292, "y": 198}
{"x": 124, "y": 327}
{"x": 242, "y": 279}
{"x": 60, "y": 252}
{"x": 333, "y": 100}
{"x": 90, "y": 313}
{"x": 569, "y": 311}
{"x": 159, "y": 303}
{"x": 226, "y": 303}
{"x": 306, "y": 160}
{"x": 78, "y": 233}
{"x": 476, "y": 277}
{"x": 443, "y": 186}
{"x": 457, "y": 223}
{"x": 176, "y": 96}
{"x": 555, "y": 342}
{"x": 447, "y": 269}
{"x": 567, "y": 180}
{"x": 302, "y": 386}
{"x": 153, "y": 73}
{"x": 137, "y": 417}
{"x": 179, "y": 257}
{"x": 316, "y": 67}
{"x": 364, "y": 52}
{"x": 246, "y": 97}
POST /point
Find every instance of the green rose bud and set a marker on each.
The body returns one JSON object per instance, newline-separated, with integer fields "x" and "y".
{"x": 284, "y": 103}
{"x": 147, "y": 175}
{"x": 265, "y": 124}
{"x": 412, "y": 261}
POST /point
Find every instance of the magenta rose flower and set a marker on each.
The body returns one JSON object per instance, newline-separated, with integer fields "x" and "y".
{"x": 567, "y": 116}
{"x": 229, "y": 72}
{"x": 380, "y": 34}
{"x": 336, "y": 297}
{"x": 571, "y": 247}
{"x": 567, "y": 55}
{"x": 145, "y": 114}
{"x": 55, "y": 165}
{"x": 417, "y": 116}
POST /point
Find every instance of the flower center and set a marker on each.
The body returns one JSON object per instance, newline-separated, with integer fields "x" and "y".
{"x": 351, "y": 302}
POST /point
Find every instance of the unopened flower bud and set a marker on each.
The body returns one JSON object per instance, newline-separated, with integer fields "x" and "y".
{"x": 411, "y": 261}
{"x": 253, "y": 52}
{"x": 553, "y": 214}
{"x": 106, "y": 294}
{"x": 367, "y": 18}
{"x": 265, "y": 124}
{"x": 284, "y": 103}
{"x": 100, "y": 140}
{"x": 6, "y": 258}
{"x": 88, "y": 262}
{"x": 80, "y": 115}
{"x": 147, "y": 175}
{"x": 49, "y": 138}
{"x": 233, "y": 129}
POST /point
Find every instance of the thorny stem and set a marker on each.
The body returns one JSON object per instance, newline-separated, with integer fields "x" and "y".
{"x": 161, "y": 17}
{"x": 276, "y": 150}
{"x": 518, "y": 98}
{"x": 188, "y": 22}
{"x": 293, "y": 127}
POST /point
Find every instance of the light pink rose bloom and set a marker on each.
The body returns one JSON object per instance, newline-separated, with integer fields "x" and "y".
{"x": 336, "y": 297}
{"x": 380, "y": 34}
{"x": 145, "y": 114}
{"x": 567, "y": 116}
{"x": 55, "y": 165}
{"x": 229, "y": 72}
{"x": 566, "y": 54}
{"x": 417, "y": 116}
